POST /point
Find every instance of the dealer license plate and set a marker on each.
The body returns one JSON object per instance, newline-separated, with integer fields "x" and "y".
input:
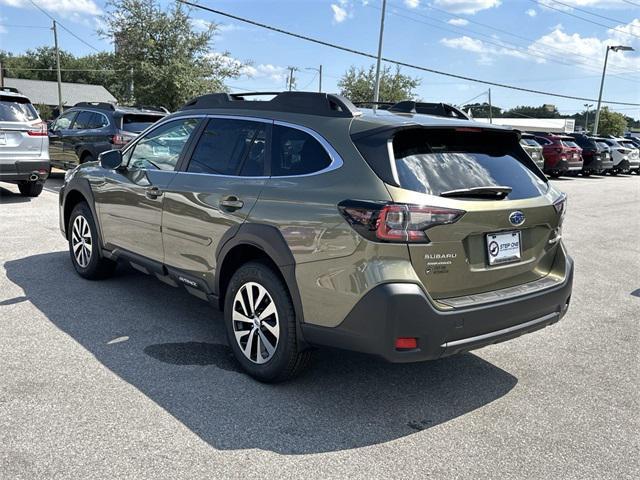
{"x": 504, "y": 247}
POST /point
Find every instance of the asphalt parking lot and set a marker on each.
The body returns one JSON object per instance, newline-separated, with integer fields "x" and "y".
{"x": 130, "y": 378}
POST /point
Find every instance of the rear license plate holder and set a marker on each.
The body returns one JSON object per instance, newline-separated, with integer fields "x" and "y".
{"x": 504, "y": 247}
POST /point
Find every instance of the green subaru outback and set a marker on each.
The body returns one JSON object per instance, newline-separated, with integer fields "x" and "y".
{"x": 310, "y": 222}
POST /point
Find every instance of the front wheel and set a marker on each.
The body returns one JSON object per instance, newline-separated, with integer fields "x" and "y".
{"x": 30, "y": 189}
{"x": 261, "y": 324}
{"x": 83, "y": 245}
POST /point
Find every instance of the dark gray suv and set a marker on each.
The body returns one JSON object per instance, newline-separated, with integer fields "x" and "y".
{"x": 310, "y": 222}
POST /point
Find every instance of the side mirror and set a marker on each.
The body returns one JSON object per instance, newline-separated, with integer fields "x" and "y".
{"x": 111, "y": 159}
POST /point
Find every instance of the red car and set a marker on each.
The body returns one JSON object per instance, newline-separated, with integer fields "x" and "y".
{"x": 561, "y": 154}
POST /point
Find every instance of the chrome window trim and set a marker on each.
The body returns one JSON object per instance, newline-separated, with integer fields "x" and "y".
{"x": 334, "y": 156}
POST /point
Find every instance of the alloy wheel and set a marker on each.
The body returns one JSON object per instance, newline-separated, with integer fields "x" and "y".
{"x": 81, "y": 241}
{"x": 256, "y": 326}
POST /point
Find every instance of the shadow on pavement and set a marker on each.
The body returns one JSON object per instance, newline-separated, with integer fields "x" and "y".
{"x": 7, "y": 196}
{"x": 172, "y": 347}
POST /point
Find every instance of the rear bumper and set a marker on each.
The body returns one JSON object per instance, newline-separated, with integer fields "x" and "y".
{"x": 23, "y": 170}
{"x": 394, "y": 310}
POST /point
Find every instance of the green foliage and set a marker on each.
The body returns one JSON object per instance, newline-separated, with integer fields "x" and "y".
{"x": 158, "y": 51}
{"x": 543, "y": 111}
{"x": 611, "y": 123}
{"x": 45, "y": 111}
{"x": 358, "y": 84}
{"x": 481, "y": 110}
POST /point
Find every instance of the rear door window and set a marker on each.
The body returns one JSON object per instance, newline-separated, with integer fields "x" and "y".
{"x": 83, "y": 120}
{"x": 136, "y": 123}
{"x": 230, "y": 147}
{"x": 98, "y": 120}
{"x": 569, "y": 143}
{"x": 437, "y": 161}
{"x": 14, "y": 109}
{"x": 295, "y": 152}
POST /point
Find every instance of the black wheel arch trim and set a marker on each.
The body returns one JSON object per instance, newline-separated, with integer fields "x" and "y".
{"x": 269, "y": 239}
{"x": 82, "y": 186}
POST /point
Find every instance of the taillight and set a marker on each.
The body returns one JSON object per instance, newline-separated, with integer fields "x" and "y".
{"x": 38, "y": 130}
{"x": 121, "y": 139}
{"x": 395, "y": 222}
{"x": 561, "y": 207}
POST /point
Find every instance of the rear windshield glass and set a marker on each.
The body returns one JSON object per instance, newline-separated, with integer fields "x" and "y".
{"x": 603, "y": 145}
{"x": 136, "y": 123}
{"x": 627, "y": 143}
{"x": 13, "y": 110}
{"x": 437, "y": 161}
{"x": 529, "y": 141}
{"x": 569, "y": 143}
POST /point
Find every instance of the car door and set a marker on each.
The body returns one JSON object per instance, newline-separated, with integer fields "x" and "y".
{"x": 214, "y": 191}
{"x": 58, "y": 131}
{"x": 77, "y": 136}
{"x": 130, "y": 198}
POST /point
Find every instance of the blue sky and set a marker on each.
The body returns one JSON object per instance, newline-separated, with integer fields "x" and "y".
{"x": 519, "y": 42}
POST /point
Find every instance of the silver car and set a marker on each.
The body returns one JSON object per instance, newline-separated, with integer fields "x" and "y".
{"x": 634, "y": 154}
{"x": 24, "y": 145}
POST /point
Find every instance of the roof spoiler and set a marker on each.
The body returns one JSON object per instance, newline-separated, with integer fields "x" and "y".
{"x": 311, "y": 103}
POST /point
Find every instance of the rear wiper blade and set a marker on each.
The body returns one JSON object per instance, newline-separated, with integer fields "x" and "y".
{"x": 497, "y": 191}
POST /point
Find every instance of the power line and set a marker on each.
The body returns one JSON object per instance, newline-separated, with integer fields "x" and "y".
{"x": 504, "y": 45}
{"x": 63, "y": 27}
{"x": 527, "y": 48}
{"x": 65, "y": 69}
{"x": 632, "y": 3}
{"x": 590, "y": 13}
{"x": 22, "y": 26}
{"x": 608, "y": 27}
{"x": 397, "y": 62}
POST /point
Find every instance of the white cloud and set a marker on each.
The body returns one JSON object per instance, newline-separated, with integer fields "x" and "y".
{"x": 469, "y": 7}
{"x": 267, "y": 71}
{"x": 585, "y": 3}
{"x": 593, "y": 48}
{"x": 531, "y": 12}
{"x": 458, "y": 22}
{"x": 63, "y": 7}
{"x": 339, "y": 13}
{"x": 412, "y": 3}
{"x": 486, "y": 53}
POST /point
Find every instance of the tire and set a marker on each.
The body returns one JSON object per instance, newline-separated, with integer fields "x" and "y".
{"x": 586, "y": 173}
{"x": 613, "y": 173}
{"x": 83, "y": 242}
{"x": 554, "y": 174}
{"x": 30, "y": 189}
{"x": 248, "y": 333}
{"x": 87, "y": 157}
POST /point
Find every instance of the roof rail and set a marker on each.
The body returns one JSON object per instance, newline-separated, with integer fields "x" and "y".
{"x": 311, "y": 103}
{"x": 437, "y": 109}
{"x": 98, "y": 105}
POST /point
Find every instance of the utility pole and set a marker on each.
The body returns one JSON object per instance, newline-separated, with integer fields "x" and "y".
{"x": 1, "y": 76}
{"x": 376, "y": 91}
{"x": 291, "y": 80}
{"x": 490, "y": 108}
{"x": 615, "y": 48}
{"x": 586, "y": 118}
{"x": 55, "y": 41}
{"x": 319, "y": 70}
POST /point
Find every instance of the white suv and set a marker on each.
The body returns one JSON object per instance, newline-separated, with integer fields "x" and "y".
{"x": 24, "y": 145}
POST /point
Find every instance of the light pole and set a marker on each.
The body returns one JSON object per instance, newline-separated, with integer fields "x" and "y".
{"x": 376, "y": 90}
{"x": 586, "y": 118}
{"x": 615, "y": 48}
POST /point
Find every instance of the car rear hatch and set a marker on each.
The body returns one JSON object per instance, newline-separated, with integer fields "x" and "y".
{"x": 484, "y": 219}
{"x": 22, "y": 132}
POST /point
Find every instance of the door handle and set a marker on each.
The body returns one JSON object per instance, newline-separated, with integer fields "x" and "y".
{"x": 231, "y": 203}
{"x": 152, "y": 192}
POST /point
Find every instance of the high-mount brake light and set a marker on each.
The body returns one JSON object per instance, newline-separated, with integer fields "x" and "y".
{"x": 396, "y": 222}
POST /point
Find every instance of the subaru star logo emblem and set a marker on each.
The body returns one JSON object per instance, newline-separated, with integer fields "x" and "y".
{"x": 516, "y": 218}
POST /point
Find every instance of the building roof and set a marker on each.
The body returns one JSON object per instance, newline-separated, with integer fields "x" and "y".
{"x": 45, "y": 92}
{"x": 554, "y": 125}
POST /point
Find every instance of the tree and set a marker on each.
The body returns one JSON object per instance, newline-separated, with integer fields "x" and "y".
{"x": 158, "y": 53}
{"x": 481, "y": 110}
{"x": 358, "y": 84}
{"x": 611, "y": 123}
{"x": 543, "y": 111}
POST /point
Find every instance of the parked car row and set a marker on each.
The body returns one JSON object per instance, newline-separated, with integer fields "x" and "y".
{"x": 28, "y": 148}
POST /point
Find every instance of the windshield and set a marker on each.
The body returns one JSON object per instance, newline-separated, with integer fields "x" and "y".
{"x": 437, "y": 161}
{"x": 16, "y": 110}
{"x": 136, "y": 123}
